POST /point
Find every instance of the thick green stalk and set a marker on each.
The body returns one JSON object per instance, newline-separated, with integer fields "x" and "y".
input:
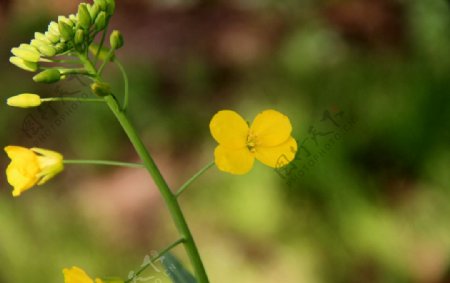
{"x": 169, "y": 197}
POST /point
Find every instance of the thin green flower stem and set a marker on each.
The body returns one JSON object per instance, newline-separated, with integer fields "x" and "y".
{"x": 126, "y": 84}
{"x": 169, "y": 198}
{"x": 45, "y": 60}
{"x": 155, "y": 258}
{"x": 102, "y": 40}
{"x": 107, "y": 60}
{"x": 80, "y": 99}
{"x": 103, "y": 162}
{"x": 193, "y": 178}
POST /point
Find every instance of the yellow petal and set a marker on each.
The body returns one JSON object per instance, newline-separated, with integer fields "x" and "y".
{"x": 277, "y": 156}
{"x": 234, "y": 161}
{"x": 76, "y": 275}
{"x": 22, "y": 172}
{"x": 229, "y": 129}
{"x": 271, "y": 128}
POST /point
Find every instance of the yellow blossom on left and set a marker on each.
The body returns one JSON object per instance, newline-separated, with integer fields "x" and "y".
{"x": 30, "y": 167}
{"x": 77, "y": 275}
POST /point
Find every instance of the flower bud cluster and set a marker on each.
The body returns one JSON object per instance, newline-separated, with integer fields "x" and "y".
{"x": 72, "y": 33}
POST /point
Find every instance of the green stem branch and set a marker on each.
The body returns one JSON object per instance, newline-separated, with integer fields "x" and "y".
{"x": 103, "y": 162}
{"x": 80, "y": 99}
{"x": 193, "y": 178}
{"x": 126, "y": 84}
{"x": 155, "y": 258}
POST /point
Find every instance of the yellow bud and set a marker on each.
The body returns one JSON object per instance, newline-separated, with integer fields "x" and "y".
{"x": 42, "y": 37}
{"x": 24, "y": 100}
{"x": 47, "y": 50}
{"x": 27, "y": 53}
{"x": 52, "y": 37}
{"x": 48, "y": 76}
{"x": 116, "y": 39}
{"x": 93, "y": 11}
{"x": 53, "y": 28}
{"x": 79, "y": 38}
{"x": 23, "y": 64}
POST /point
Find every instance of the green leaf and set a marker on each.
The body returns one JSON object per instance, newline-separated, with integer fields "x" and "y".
{"x": 176, "y": 271}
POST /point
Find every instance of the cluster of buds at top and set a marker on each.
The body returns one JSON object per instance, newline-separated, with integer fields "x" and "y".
{"x": 69, "y": 34}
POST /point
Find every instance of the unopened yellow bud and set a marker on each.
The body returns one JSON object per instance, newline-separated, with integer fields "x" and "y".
{"x": 116, "y": 39}
{"x": 48, "y": 76}
{"x": 24, "y": 100}
{"x": 27, "y": 53}
{"x": 47, "y": 50}
{"x": 79, "y": 38}
{"x": 42, "y": 37}
{"x": 93, "y": 11}
{"x": 53, "y": 28}
{"x": 23, "y": 64}
{"x": 52, "y": 37}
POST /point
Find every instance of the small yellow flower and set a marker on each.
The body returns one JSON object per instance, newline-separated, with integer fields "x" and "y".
{"x": 24, "y": 100}
{"x": 268, "y": 139}
{"x": 29, "y": 167}
{"x": 77, "y": 275}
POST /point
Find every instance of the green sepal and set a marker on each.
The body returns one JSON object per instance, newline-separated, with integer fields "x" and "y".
{"x": 65, "y": 30}
{"x": 100, "y": 21}
{"x": 48, "y": 76}
{"x": 101, "y": 89}
{"x": 84, "y": 17}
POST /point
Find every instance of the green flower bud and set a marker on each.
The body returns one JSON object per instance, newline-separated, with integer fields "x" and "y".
{"x": 47, "y": 50}
{"x": 100, "y": 22}
{"x": 27, "y": 47}
{"x": 66, "y": 31}
{"x": 111, "y": 7}
{"x": 116, "y": 39}
{"x": 42, "y": 37}
{"x": 37, "y": 42}
{"x": 101, "y": 89}
{"x": 101, "y": 4}
{"x": 28, "y": 54}
{"x": 93, "y": 11}
{"x": 24, "y": 100}
{"x": 84, "y": 18}
{"x": 48, "y": 76}
{"x": 79, "y": 39}
{"x": 24, "y": 65}
{"x": 52, "y": 37}
{"x": 104, "y": 52}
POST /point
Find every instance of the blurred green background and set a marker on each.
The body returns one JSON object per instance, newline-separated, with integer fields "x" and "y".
{"x": 365, "y": 83}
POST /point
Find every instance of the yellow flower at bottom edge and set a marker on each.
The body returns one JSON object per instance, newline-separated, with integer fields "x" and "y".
{"x": 268, "y": 139}
{"x": 29, "y": 167}
{"x": 77, "y": 275}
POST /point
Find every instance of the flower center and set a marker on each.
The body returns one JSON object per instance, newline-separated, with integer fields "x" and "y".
{"x": 251, "y": 142}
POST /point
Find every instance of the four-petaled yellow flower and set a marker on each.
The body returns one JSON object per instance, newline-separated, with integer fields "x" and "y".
{"x": 29, "y": 167}
{"x": 268, "y": 139}
{"x": 77, "y": 275}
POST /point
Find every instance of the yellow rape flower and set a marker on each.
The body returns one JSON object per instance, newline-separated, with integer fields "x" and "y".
{"x": 78, "y": 275}
{"x": 29, "y": 167}
{"x": 268, "y": 139}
